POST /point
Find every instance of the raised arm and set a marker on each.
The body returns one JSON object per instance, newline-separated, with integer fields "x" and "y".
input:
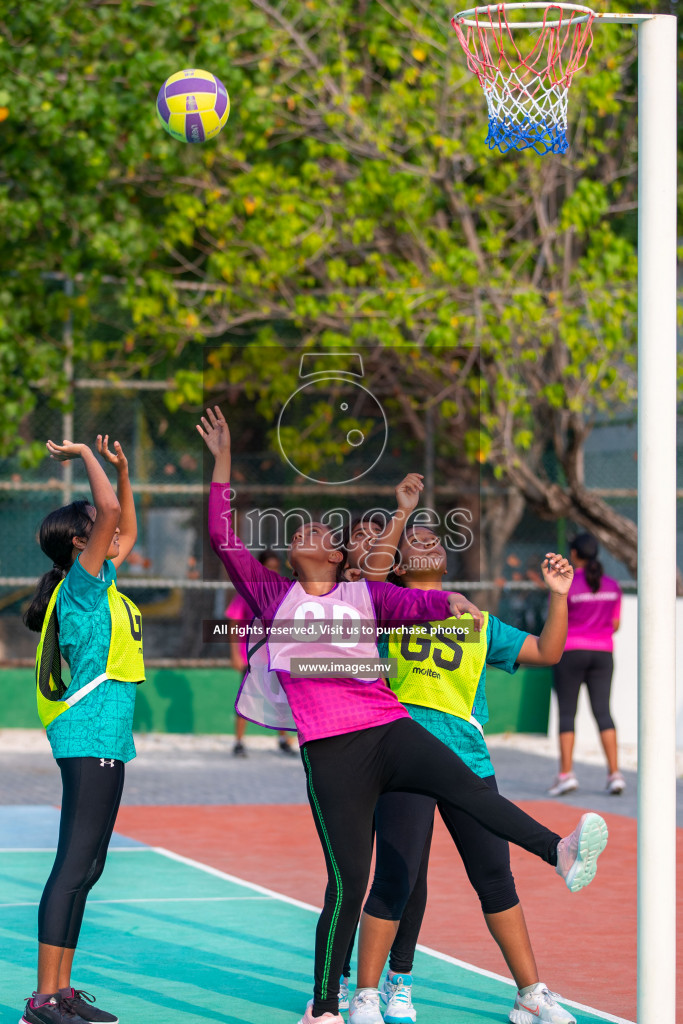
{"x": 547, "y": 648}
{"x": 94, "y": 548}
{"x": 256, "y": 584}
{"x": 128, "y": 522}
{"x": 378, "y": 562}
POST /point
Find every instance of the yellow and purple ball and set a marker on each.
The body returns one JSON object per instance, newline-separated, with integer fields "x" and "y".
{"x": 193, "y": 105}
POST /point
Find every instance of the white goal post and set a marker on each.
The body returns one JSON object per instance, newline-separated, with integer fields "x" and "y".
{"x": 657, "y": 140}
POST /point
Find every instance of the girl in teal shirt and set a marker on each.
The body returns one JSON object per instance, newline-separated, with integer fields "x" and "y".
{"x": 83, "y": 619}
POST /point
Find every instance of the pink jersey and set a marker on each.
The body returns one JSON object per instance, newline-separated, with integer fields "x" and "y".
{"x": 239, "y": 611}
{"x": 592, "y": 616}
{"x": 322, "y": 707}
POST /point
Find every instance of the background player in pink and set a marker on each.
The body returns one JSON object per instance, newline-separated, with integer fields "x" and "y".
{"x": 594, "y": 608}
{"x": 240, "y": 614}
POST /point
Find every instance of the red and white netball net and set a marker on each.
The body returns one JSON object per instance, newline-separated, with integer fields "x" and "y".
{"x": 526, "y": 92}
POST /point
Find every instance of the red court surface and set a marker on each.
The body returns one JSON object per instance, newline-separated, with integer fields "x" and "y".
{"x": 585, "y": 943}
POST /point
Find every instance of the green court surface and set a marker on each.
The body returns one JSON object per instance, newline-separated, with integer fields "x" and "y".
{"x": 166, "y": 939}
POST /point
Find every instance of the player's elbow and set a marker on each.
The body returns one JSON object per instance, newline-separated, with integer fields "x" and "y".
{"x": 110, "y": 510}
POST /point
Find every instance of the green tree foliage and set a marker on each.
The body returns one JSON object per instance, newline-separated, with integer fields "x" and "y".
{"x": 350, "y": 200}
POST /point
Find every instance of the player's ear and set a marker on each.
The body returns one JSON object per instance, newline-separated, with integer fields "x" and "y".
{"x": 399, "y": 569}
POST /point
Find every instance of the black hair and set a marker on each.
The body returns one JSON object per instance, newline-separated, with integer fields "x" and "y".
{"x": 586, "y": 547}
{"x": 57, "y": 531}
{"x": 268, "y": 553}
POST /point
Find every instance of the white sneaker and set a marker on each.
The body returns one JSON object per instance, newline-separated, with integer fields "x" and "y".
{"x": 364, "y": 1008}
{"x": 324, "y": 1018}
{"x": 343, "y": 993}
{"x": 577, "y": 853}
{"x": 564, "y": 784}
{"x": 539, "y": 1005}
{"x": 616, "y": 784}
{"x": 400, "y": 1009}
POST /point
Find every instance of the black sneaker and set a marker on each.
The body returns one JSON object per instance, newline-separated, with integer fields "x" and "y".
{"x": 55, "y": 1011}
{"x": 239, "y": 750}
{"x": 81, "y": 1001}
{"x": 287, "y": 748}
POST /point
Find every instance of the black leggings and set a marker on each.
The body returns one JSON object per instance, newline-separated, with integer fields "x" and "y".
{"x": 404, "y": 824}
{"x": 346, "y": 775}
{"x": 92, "y": 788}
{"x": 404, "y": 834}
{"x": 594, "y": 668}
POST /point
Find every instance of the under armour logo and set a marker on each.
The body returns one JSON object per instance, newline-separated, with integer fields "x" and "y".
{"x": 104, "y": 761}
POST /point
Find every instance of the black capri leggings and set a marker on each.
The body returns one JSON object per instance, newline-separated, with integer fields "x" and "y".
{"x": 346, "y": 775}
{"x": 404, "y": 823}
{"x": 92, "y": 788}
{"x": 594, "y": 668}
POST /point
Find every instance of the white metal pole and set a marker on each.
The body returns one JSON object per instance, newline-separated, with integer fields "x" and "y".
{"x": 657, "y": 520}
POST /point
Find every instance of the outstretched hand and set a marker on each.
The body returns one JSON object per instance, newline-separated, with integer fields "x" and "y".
{"x": 117, "y": 458}
{"x": 408, "y": 491}
{"x": 65, "y": 451}
{"x": 215, "y": 433}
{"x": 558, "y": 573}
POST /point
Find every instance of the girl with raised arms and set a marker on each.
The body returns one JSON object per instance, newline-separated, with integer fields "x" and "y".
{"x": 83, "y": 618}
{"x": 357, "y": 740}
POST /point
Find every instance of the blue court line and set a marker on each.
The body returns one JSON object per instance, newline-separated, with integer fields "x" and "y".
{"x": 37, "y": 827}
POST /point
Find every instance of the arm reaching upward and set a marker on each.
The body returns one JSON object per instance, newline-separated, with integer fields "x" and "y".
{"x": 215, "y": 433}
{"x": 94, "y": 548}
{"x": 128, "y": 523}
{"x": 256, "y": 584}
{"x": 379, "y": 560}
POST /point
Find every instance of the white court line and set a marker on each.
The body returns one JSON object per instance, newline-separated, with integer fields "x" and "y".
{"x": 161, "y": 899}
{"x": 499, "y": 977}
{"x": 232, "y": 878}
{"x": 423, "y": 949}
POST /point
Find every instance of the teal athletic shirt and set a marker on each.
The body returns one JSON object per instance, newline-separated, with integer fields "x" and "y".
{"x": 101, "y": 724}
{"x": 503, "y": 644}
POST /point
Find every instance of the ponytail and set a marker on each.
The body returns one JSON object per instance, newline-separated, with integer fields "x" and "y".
{"x": 586, "y": 547}
{"x": 35, "y": 613}
{"x": 57, "y": 531}
{"x": 593, "y": 572}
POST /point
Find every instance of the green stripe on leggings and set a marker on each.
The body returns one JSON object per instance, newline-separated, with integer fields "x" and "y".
{"x": 337, "y": 875}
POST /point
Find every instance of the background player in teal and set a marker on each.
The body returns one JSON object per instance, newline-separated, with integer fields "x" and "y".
{"x": 450, "y": 703}
{"x": 98, "y": 632}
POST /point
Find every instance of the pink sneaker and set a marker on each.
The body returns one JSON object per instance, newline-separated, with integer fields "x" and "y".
{"x": 578, "y": 852}
{"x": 325, "y": 1018}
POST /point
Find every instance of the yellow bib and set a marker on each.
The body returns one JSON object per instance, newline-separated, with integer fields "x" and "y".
{"x": 436, "y": 669}
{"x": 124, "y": 660}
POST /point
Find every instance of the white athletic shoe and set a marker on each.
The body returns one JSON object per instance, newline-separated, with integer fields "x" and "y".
{"x": 364, "y": 1008}
{"x": 564, "y": 784}
{"x": 577, "y": 853}
{"x": 616, "y": 784}
{"x": 343, "y": 993}
{"x": 400, "y": 1009}
{"x": 325, "y": 1018}
{"x": 539, "y": 1005}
